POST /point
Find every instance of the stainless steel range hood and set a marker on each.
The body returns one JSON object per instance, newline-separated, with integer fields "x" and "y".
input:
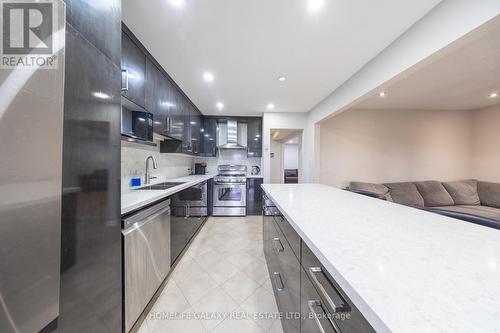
{"x": 232, "y": 135}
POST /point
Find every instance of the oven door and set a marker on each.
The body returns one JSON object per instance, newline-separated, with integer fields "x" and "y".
{"x": 230, "y": 195}
{"x": 194, "y": 196}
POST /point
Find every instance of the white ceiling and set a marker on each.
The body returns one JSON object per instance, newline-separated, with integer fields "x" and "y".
{"x": 248, "y": 44}
{"x": 460, "y": 77}
{"x": 284, "y": 135}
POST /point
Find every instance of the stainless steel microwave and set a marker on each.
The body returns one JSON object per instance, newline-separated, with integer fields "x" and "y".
{"x": 137, "y": 124}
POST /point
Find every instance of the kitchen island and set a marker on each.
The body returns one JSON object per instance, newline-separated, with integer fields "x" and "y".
{"x": 404, "y": 269}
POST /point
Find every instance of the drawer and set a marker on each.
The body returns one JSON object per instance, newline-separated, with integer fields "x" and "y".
{"x": 285, "y": 279}
{"x": 327, "y": 298}
{"x": 290, "y": 234}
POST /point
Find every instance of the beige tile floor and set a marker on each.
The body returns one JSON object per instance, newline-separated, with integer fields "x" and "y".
{"x": 222, "y": 272}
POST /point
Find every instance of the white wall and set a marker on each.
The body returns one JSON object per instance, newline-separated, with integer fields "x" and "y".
{"x": 291, "y": 156}
{"x": 396, "y": 145}
{"x": 486, "y": 144}
{"x": 279, "y": 120}
{"x": 277, "y": 174}
{"x": 447, "y": 22}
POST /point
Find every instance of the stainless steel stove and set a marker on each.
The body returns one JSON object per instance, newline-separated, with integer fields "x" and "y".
{"x": 230, "y": 191}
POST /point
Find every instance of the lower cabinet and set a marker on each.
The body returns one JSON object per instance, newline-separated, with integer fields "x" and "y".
{"x": 302, "y": 285}
{"x": 189, "y": 211}
{"x": 254, "y": 196}
{"x": 284, "y": 268}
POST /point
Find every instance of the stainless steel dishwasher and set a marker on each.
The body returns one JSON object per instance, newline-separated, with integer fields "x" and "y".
{"x": 146, "y": 239}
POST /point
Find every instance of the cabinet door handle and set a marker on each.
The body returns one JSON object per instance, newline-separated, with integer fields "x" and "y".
{"x": 278, "y": 281}
{"x": 334, "y": 301}
{"x": 278, "y": 246}
{"x": 187, "y": 212}
{"x": 124, "y": 79}
{"x": 325, "y": 324}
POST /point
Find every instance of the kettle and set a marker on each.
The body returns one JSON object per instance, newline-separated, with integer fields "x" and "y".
{"x": 255, "y": 170}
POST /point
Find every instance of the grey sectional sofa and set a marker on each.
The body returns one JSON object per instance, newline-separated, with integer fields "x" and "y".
{"x": 468, "y": 200}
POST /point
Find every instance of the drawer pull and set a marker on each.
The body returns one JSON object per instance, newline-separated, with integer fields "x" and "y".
{"x": 278, "y": 246}
{"x": 334, "y": 301}
{"x": 278, "y": 281}
{"x": 325, "y": 324}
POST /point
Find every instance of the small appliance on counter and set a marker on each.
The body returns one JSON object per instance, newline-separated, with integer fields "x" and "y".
{"x": 255, "y": 170}
{"x": 200, "y": 168}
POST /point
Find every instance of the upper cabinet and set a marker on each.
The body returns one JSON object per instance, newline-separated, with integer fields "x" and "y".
{"x": 156, "y": 98}
{"x": 133, "y": 71}
{"x": 209, "y": 137}
{"x": 254, "y": 137}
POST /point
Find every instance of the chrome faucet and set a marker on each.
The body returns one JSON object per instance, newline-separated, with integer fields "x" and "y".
{"x": 148, "y": 177}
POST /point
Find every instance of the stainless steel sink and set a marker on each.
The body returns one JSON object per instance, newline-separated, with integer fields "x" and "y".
{"x": 160, "y": 186}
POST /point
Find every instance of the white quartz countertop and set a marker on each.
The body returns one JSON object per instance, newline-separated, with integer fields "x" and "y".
{"x": 406, "y": 270}
{"x": 138, "y": 198}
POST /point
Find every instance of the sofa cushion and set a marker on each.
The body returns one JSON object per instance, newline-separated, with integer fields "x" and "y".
{"x": 377, "y": 190}
{"x": 485, "y": 212}
{"x": 434, "y": 194}
{"x": 489, "y": 194}
{"x": 405, "y": 194}
{"x": 463, "y": 192}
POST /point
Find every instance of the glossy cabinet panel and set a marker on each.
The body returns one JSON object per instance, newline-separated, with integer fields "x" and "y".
{"x": 91, "y": 274}
{"x": 31, "y": 139}
{"x": 92, "y": 19}
{"x": 156, "y": 98}
{"x": 291, "y": 235}
{"x": 301, "y": 284}
{"x": 188, "y": 214}
{"x": 133, "y": 72}
{"x": 254, "y": 137}
{"x": 285, "y": 279}
{"x": 345, "y": 315}
{"x": 254, "y": 196}
{"x": 209, "y": 137}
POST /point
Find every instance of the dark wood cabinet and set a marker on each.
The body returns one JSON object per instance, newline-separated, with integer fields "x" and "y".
{"x": 302, "y": 284}
{"x": 133, "y": 71}
{"x": 254, "y": 196}
{"x": 156, "y": 98}
{"x": 175, "y": 119}
{"x": 285, "y": 276}
{"x": 209, "y": 137}
{"x": 254, "y": 137}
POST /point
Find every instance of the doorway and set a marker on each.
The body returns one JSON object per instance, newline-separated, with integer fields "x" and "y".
{"x": 286, "y": 156}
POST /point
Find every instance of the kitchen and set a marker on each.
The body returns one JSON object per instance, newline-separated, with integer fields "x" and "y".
{"x": 145, "y": 187}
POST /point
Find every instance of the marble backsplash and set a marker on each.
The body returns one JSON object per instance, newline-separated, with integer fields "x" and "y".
{"x": 133, "y": 164}
{"x": 230, "y": 157}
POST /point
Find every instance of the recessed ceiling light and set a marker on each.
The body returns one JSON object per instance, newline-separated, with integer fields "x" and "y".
{"x": 208, "y": 77}
{"x": 220, "y": 106}
{"x": 100, "y": 95}
{"x": 381, "y": 94}
{"x": 270, "y": 106}
{"x": 493, "y": 95}
{"x": 177, "y": 3}
{"x": 291, "y": 141}
{"x": 282, "y": 78}
{"x": 314, "y": 6}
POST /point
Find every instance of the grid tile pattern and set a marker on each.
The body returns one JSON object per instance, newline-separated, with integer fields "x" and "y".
{"x": 223, "y": 271}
